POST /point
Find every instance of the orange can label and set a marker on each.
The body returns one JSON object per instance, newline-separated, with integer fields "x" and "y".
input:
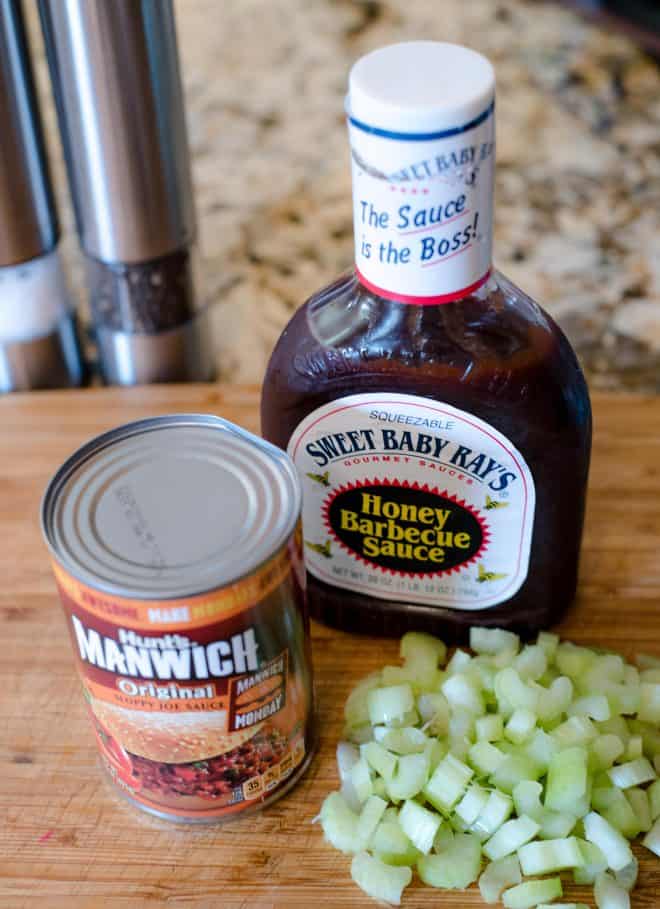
{"x": 201, "y": 706}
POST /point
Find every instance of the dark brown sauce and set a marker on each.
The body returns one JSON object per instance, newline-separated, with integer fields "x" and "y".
{"x": 495, "y": 354}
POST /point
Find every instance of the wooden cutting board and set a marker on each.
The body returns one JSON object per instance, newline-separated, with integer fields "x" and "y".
{"x": 67, "y": 841}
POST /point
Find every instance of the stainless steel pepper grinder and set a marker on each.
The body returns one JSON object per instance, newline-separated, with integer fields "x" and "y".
{"x": 115, "y": 73}
{"x": 38, "y": 340}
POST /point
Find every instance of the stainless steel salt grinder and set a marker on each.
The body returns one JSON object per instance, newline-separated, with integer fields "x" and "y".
{"x": 115, "y": 74}
{"x": 38, "y": 342}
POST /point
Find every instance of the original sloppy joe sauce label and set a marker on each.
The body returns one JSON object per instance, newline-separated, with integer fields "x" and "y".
{"x": 410, "y": 499}
{"x": 199, "y": 706}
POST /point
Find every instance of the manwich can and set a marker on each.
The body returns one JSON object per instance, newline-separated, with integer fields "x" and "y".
{"x": 175, "y": 543}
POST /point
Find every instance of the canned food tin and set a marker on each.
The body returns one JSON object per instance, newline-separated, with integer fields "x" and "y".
{"x": 176, "y": 548}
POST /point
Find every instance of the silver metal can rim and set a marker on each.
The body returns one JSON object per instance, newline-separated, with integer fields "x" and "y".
{"x": 75, "y": 462}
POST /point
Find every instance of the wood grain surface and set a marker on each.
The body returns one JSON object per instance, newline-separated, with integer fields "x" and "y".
{"x": 67, "y": 841}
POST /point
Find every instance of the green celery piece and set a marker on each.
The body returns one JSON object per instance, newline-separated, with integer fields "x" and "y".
{"x": 459, "y": 662}
{"x": 531, "y": 663}
{"x": 607, "y": 668}
{"x": 576, "y": 730}
{"x": 493, "y": 640}
{"x": 632, "y": 773}
{"x": 380, "y": 787}
{"x": 611, "y": 843}
{"x": 339, "y": 823}
{"x": 396, "y": 675}
{"x": 419, "y": 824}
{"x": 483, "y": 671}
{"x": 650, "y": 736}
{"x": 448, "y": 783}
{"x": 555, "y": 700}
{"x": 379, "y": 880}
{"x": 595, "y": 706}
{"x": 520, "y": 726}
{"x": 435, "y": 751}
{"x": 390, "y": 703}
{"x": 409, "y": 858}
{"x": 356, "y": 709}
{"x": 604, "y": 750}
{"x": 410, "y": 778}
{"x": 490, "y": 728}
{"x": 434, "y": 711}
{"x": 498, "y": 876}
{"x": 541, "y": 748}
{"x": 608, "y": 894}
{"x": 621, "y": 815}
{"x": 548, "y": 856}
{"x": 485, "y": 758}
{"x": 594, "y": 863}
{"x": 572, "y": 660}
{"x": 405, "y": 740}
{"x": 463, "y": 694}
{"x": 556, "y": 824}
{"x": 652, "y": 838}
{"x": 409, "y": 718}
{"x": 511, "y": 836}
{"x": 369, "y": 818}
{"x": 549, "y": 642}
{"x": 360, "y": 777}
{"x": 497, "y": 810}
{"x": 627, "y": 877}
{"x": 444, "y": 837}
{"x": 530, "y": 893}
{"x": 513, "y": 693}
{"x": 382, "y": 761}
{"x": 459, "y": 747}
{"x": 640, "y": 804}
{"x": 358, "y": 735}
{"x": 635, "y": 748}
{"x": 567, "y": 779}
{"x": 623, "y": 699}
{"x": 527, "y": 799}
{"x": 616, "y": 725}
{"x": 513, "y": 769}
{"x": 417, "y": 647}
{"x": 455, "y": 868}
{"x": 472, "y": 804}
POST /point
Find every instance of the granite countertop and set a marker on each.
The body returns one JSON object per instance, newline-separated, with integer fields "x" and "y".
{"x": 578, "y": 165}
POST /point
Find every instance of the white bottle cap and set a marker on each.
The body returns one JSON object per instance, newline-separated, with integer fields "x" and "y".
{"x": 420, "y": 86}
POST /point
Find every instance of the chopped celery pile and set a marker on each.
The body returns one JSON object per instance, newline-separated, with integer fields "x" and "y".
{"x": 508, "y": 765}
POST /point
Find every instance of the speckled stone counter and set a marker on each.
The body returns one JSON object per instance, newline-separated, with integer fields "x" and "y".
{"x": 578, "y": 175}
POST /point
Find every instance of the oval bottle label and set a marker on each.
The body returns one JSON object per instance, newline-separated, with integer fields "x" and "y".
{"x": 411, "y": 499}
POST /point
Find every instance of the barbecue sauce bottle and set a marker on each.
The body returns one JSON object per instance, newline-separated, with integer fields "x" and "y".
{"x": 438, "y": 417}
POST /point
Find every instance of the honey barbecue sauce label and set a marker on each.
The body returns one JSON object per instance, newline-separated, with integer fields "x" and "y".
{"x": 411, "y": 499}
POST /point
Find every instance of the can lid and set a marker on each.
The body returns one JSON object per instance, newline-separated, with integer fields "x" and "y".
{"x": 420, "y": 87}
{"x": 170, "y": 507}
